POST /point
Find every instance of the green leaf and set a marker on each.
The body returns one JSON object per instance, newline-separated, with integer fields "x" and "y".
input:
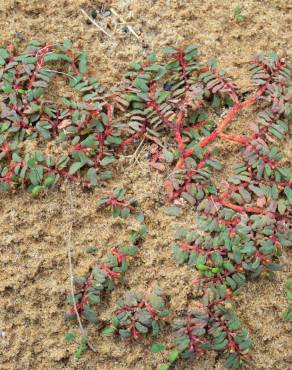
{"x": 282, "y": 206}
{"x": 173, "y": 355}
{"x": 119, "y": 193}
{"x": 164, "y": 367}
{"x": 220, "y": 346}
{"x": 202, "y": 267}
{"x": 82, "y": 62}
{"x": 140, "y": 217}
{"x": 49, "y": 181}
{"x": 67, "y": 44}
{"x": 125, "y": 212}
{"x": 156, "y": 302}
{"x": 245, "y": 344}
{"x": 217, "y": 259}
{"x": 141, "y": 84}
{"x": 180, "y": 255}
{"x": 189, "y": 198}
{"x": 26, "y": 59}
{"x": 92, "y": 176}
{"x": 288, "y": 192}
{"x": 157, "y": 347}
{"x": 169, "y": 50}
{"x": 36, "y": 175}
{"x": 287, "y": 315}
{"x": 167, "y": 155}
{"x": 191, "y": 48}
{"x": 105, "y": 175}
{"x": 81, "y": 348}
{"x": 268, "y": 170}
{"x": 152, "y": 58}
{"x": 109, "y": 331}
{"x": 216, "y": 101}
{"x": 70, "y": 337}
{"x": 228, "y": 266}
{"x": 162, "y": 96}
{"x": 135, "y": 65}
{"x": 93, "y": 298}
{"x": 56, "y": 57}
{"x": 4, "y": 53}
{"x": 91, "y": 250}
{"x": 75, "y": 167}
{"x": 232, "y": 361}
{"x": 114, "y": 140}
{"x": 289, "y": 283}
{"x": 215, "y": 164}
{"x": 173, "y": 211}
{"x": 116, "y": 212}
{"x": 141, "y": 328}
{"x": 90, "y": 314}
{"x": 36, "y": 189}
{"x": 89, "y": 141}
{"x": 107, "y": 160}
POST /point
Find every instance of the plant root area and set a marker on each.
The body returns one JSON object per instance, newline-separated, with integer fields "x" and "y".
{"x": 34, "y": 274}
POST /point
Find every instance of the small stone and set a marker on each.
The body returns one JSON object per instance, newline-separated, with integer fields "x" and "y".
{"x": 93, "y": 14}
{"x": 106, "y": 13}
{"x": 18, "y": 35}
{"x": 167, "y": 86}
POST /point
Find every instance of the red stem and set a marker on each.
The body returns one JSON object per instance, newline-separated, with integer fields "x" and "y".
{"x": 235, "y": 109}
{"x": 241, "y": 209}
{"x": 236, "y": 139}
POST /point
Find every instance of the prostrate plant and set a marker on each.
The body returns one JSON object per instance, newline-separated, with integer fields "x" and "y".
{"x": 241, "y": 225}
{"x": 138, "y": 315}
{"x": 212, "y": 325}
{"x": 241, "y": 230}
{"x": 82, "y": 131}
{"x": 245, "y": 224}
{"x": 91, "y": 289}
{"x": 120, "y": 206}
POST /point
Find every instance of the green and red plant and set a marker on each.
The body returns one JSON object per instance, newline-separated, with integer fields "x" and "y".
{"x": 242, "y": 225}
{"x": 138, "y": 315}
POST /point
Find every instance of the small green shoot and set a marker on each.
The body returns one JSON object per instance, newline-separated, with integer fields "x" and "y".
{"x": 237, "y": 13}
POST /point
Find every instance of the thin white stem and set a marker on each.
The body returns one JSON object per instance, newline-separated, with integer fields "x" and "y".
{"x": 60, "y": 73}
{"x": 96, "y": 24}
{"x": 69, "y": 252}
{"x": 135, "y": 156}
{"x": 129, "y": 27}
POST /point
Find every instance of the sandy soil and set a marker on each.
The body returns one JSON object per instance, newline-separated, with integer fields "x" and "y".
{"x": 34, "y": 268}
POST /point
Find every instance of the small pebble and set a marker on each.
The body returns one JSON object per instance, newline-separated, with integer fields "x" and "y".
{"x": 106, "y": 13}
{"x": 18, "y": 35}
{"x": 93, "y": 14}
{"x": 167, "y": 86}
{"x": 125, "y": 29}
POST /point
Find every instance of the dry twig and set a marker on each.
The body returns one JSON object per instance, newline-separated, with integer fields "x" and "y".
{"x": 123, "y": 21}
{"x": 69, "y": 253}
{"x": 96, "y": 24}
